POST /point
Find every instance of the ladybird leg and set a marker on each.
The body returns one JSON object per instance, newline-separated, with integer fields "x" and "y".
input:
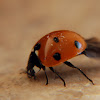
{"x": 43, "y": 67}
{"x": 57, "y": 75}
{"x": 71, "y": 65}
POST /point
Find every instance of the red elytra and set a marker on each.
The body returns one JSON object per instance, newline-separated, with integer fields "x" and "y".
{"x": 66, "y": 47}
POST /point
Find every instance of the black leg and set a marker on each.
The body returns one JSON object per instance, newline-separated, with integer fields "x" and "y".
{"x": 71, "y": 65}
{"x": 43, "y": 67}
{"x": 57, "y": 75}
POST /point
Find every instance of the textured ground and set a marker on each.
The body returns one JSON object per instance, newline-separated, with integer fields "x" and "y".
{"x": 22, "y": 23}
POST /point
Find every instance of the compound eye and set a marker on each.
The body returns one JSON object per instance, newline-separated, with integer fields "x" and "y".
{"x": 57, "y": 56}
{"x": 78, "y": 44}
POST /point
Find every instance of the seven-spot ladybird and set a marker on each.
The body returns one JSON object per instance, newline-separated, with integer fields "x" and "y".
{"x": 55, "y": 48}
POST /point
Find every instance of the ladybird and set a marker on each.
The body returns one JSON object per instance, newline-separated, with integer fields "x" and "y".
{"x": 55, "y": 48}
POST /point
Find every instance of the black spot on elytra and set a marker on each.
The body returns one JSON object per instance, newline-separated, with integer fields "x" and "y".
{"x": 56, "y": 39}
{"x": 37, "y": 46}
{"x": 77, "y": 44}
{"x": 57, "y": 56}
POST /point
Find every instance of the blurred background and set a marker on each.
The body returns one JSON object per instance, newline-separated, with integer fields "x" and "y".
{"x": 22, "y": 24}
